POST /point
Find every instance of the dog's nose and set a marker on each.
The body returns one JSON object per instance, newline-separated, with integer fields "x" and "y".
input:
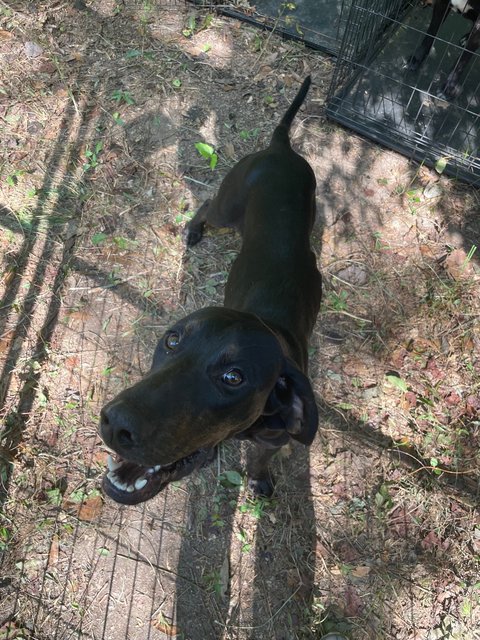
{"x": 117, "y": 426}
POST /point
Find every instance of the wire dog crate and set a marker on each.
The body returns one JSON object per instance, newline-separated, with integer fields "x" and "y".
{"x": 320, "y": 24}
{"x": 373, "y": 93}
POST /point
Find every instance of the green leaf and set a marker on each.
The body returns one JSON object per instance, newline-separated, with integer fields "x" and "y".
{"x": 440, "y": 165}
{"x": 204, "y": 149}
{"x": 98, "y": 238}
{"x": 346, "y": 406}
{"x": 122, "y": 243}
{"x": 133, "y": 53}
{"x": 54, "y": 497}
{"x": 241, "y": 535}
{"x": 398, "y": 382}
{"x": 213, "y": 161}
{"x": 379, "y": 499}
{"x": 177, "y": 83}
{"x": 231, "y": 479}
{"x": 118, "y": 119}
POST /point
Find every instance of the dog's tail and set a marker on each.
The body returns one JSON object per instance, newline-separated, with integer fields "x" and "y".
{"x": 281, "y": 131}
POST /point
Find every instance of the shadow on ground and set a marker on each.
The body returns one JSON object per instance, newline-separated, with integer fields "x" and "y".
{"x": 365, "y": 532}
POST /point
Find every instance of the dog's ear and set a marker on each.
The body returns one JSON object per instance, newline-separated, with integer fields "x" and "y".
{"x": 291, "y": 406}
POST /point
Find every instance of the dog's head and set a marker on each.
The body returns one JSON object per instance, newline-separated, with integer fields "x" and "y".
{"x": 215, "y": 374}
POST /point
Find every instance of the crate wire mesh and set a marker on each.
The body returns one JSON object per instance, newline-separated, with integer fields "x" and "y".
{"x": 320, "y": 24}
{"x": 373, "y": 94}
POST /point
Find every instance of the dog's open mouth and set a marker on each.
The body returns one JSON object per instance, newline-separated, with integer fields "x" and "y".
{"x": 131, "y": 483}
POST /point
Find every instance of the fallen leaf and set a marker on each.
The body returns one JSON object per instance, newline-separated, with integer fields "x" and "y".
{"x": 472, "y": 406}
{"x": 361, "y": 571}
{"x": 427, "y": 250}
{"x": 5, "y": 35}
{"x": 9, "y": 277}
{"x": 229, "y": 150}
{"x": 397, "y": 382}
{"x": 397, "y": 357}
{"x": 263, "y": 73}
{"x": 354, "y": 274}
{"x": 440, "y": 165}
{"x": 346, "y": 552}
{"x": 271, "y": 58}
{"x": 164, "y": 626}
{"x": 453, "y": 399}
{"x": 353, "y": 602}
{"x": 88, "y": 510}
{"x": 401, "y": 522}
{"x": 409, "y": 400}
{"x": 54, "y": 550}
{"x": 431, "y": 541}
{"x": 422, "y": 345}
{"x": 457, "y": 264}
{"x": 6, "y": 340}
{"x": 433, "y": 190}
{"x": 47, "y": 67}
{"x": 434, "y": 371}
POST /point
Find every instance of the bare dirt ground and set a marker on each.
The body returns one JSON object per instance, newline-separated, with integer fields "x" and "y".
{"x": 375, "y": 530}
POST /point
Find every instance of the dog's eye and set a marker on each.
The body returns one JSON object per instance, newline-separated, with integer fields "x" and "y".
{"x": 234, "y": 377}
{"x": 172, "y": 340}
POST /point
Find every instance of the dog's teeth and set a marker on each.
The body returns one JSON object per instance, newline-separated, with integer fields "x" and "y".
{"x": 140, "y": 483}
{"x": 112, "y": 465}
{"x": 130, "y": 488}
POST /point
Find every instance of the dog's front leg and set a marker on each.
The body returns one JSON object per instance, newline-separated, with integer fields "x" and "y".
{"x": 259, "y": 478}
{"x": 441, "y": 9}
{"x": 452, "y": 88}
{"x": 193, "y": 232}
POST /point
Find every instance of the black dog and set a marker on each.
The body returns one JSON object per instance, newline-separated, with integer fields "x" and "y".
{"x": 238, "y": 370}
{"x": 441, "y": 8}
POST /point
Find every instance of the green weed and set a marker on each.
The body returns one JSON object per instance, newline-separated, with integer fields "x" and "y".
{"x": 242, "y": 536}
{"x": 256, "y": 507}
{"x": 207, "y": 152}
{"x": 122, "y": 97}
{"x": 91, "y": 156}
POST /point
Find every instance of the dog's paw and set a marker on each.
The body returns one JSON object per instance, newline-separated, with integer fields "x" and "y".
{"x": 449, "y": 91}
{"x": 192, "y": 234}
{"x": 260, "y": 488}
{"x": 412, "y": 63}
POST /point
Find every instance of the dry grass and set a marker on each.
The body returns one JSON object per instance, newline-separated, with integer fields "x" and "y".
{"x": 375, "y": 530}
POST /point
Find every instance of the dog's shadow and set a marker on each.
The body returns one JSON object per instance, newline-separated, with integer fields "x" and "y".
{"x": 246, "y": 566}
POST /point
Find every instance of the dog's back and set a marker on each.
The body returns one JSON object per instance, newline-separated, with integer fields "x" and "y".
{"x": 277, "y": 194}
